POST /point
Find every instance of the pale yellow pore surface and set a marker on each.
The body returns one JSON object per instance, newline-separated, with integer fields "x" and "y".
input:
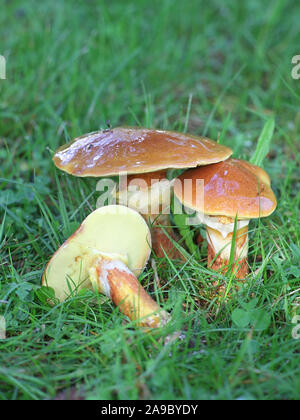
{"x": 109, "y": 230}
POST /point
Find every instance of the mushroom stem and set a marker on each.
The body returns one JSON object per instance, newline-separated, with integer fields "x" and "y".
{"x": 161, "y": 243}
{"x": 113, "y": 278}
{"x": 150, "y": 195}
{"x": 219, "y": 250}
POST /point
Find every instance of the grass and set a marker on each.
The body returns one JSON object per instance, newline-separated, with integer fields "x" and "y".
{"x": 216, "y": 69}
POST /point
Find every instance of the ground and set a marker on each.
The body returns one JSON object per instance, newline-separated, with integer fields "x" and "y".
{"x": 221, "y": 69}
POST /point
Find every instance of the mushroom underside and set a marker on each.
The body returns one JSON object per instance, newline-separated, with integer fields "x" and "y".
{"x": 107, "y": 253}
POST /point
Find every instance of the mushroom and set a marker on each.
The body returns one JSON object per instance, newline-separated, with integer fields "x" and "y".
{"x": 235, "y": 191}
{"x": 145, "y": 155}
{"x": 107, "y": 252}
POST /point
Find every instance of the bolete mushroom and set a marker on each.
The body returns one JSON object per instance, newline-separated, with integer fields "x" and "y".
{"x": 233, "y": 189}
{"x": 107, "y": 252}
{"x": 145, "y": 155}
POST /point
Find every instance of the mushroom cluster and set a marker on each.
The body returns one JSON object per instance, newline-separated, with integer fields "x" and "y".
{"x": 142, "y": 157}
{"x": 112, "y": 246}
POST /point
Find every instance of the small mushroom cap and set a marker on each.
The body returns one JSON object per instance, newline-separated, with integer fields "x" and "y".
{"x": 231, "y": 188}
{"x": 136, "y": 150}
{"x": 111, "y": 230}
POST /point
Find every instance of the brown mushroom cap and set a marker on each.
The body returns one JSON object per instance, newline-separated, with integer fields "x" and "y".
{"x": 257, "y": 171}
{"x": 136, "y": 150}
{"x": 231, "y": 188}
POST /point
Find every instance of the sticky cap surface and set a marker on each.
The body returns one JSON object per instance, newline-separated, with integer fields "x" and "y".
{"x": 230, "y": 189}
{"x": 136, "y": 150}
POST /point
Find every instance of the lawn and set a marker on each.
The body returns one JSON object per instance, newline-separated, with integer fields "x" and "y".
{"x": 220, "y": 69}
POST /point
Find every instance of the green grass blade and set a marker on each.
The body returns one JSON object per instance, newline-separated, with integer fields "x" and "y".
{"x": 264, "y": 142}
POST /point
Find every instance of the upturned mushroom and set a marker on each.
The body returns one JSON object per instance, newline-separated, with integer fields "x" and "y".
{"x": 107, "y": 253}
{"x": 233, "y": 190}
{"x": 145, "y": 155}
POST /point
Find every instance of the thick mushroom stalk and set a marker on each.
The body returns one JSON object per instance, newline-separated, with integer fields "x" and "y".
{"x": 219, "y": 238}
{"x": 150, "y": 195}
{"x": 113, "y": 278}
{"x": 161, "y": 234}
{"x": 107, "y": 252}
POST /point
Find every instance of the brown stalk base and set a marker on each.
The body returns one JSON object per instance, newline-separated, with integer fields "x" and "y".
{"x": 240, "y": 269}
{"x": 161, "y": 242}
{"x": 199, "y": 239}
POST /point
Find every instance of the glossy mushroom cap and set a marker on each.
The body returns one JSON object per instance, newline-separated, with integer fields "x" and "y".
{"x": 112, "y": 230}
{"x": 257, "y": 171}
{"x": 233, "y": 187}
{"x": 136, "y": 150}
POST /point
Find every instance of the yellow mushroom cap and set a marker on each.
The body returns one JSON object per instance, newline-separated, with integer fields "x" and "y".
{"x": 231, "y": 188}
{"x": 112, "y": 230}
{"x": 136, "y": 150}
